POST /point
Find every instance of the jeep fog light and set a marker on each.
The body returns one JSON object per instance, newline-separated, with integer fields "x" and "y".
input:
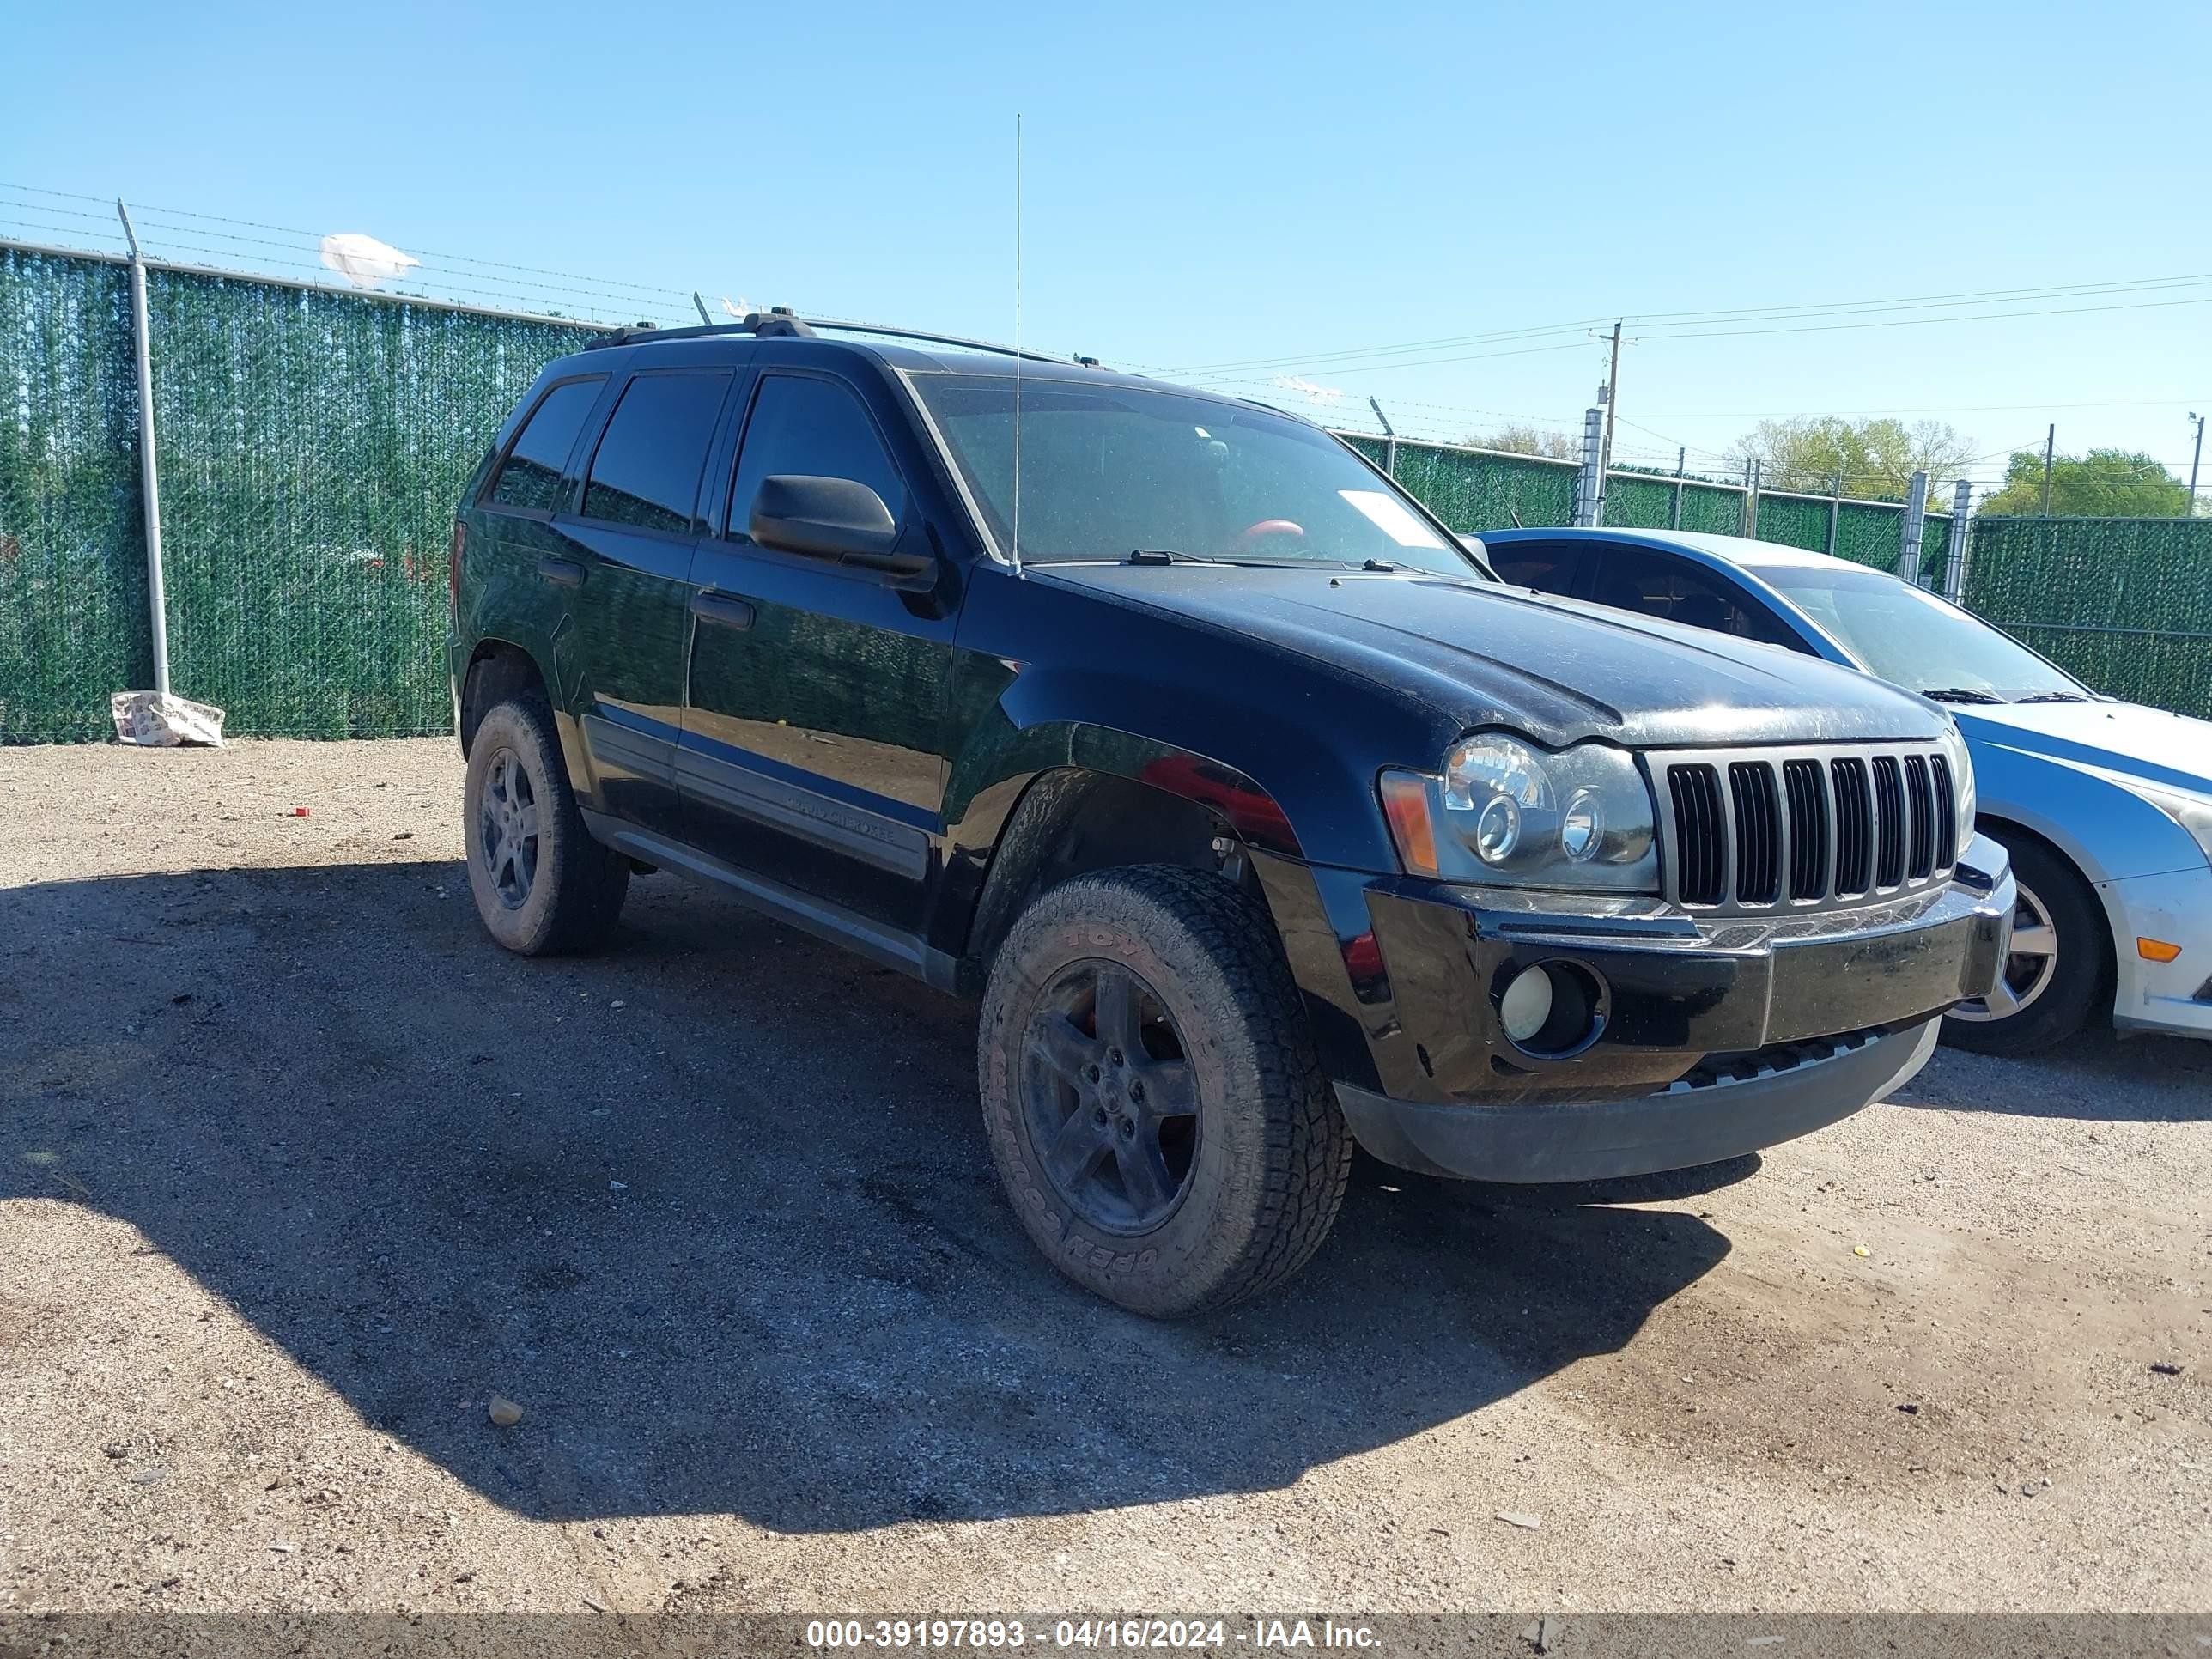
{"x": 1526, "y": 1005}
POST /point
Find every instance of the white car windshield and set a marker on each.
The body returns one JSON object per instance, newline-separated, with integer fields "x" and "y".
{"x": 1109, "y": 470}
{"x": 1908, "y": 636}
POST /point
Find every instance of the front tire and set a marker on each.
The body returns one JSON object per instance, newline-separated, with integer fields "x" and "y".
{"x": 2059, "y": 970}
{"x": 1150, "y": 1092}
{"x": 542, "y": 886}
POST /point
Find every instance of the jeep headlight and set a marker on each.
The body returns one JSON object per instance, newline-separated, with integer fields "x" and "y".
{"x": 1502, "y": 810}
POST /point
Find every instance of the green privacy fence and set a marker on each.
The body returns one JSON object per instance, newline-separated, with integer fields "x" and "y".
{"x": 1480, "y": 489}
{"x": 2125, "y": 604}
{"x": 313, "y": 443}
{"x": 312, "y": 446}
{"x": 72, "y": 564}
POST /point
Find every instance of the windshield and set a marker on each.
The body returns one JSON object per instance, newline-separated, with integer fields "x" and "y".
{"x": 1908, "y": 636}
{"x": 1109, "y": 470}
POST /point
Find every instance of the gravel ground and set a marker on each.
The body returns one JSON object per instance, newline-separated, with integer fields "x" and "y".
{"x": 297, "y": 1170}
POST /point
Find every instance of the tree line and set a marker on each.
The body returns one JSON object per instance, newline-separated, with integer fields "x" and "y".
{"x": 1873, "y": 460}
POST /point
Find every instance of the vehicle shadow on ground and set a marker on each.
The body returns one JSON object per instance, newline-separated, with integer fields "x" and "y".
{"x": 2098, "y": 1076}
{"x": 716, "y": 1208}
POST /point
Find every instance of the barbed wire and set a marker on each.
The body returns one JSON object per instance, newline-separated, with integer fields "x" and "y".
{"x": 229, "y": 242}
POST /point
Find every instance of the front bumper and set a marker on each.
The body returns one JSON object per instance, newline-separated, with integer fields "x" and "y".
{"x": 1698, "y": 1119}
{"x": 1707, "y": 1040}
{"x": 2174, "y": 997}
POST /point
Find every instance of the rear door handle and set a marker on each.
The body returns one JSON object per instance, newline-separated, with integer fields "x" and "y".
{"x": 721, "y": 611}
{"x": 562, "y": 573}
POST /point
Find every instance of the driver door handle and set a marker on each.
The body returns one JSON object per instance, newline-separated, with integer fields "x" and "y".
{"x": 721, "y": 611}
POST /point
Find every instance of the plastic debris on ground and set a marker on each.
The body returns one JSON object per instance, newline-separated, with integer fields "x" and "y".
{"x": 156, "y": 720}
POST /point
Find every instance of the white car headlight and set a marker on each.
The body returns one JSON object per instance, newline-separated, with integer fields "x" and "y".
{"x": 1503, "y": 811}
{"x": 2193, "y": 813}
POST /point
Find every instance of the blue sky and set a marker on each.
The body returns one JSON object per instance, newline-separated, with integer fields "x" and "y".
{"x": 1217, "y": 185}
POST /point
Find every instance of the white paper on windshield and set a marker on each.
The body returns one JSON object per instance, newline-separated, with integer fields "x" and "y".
{"x": 1389, "y": 514}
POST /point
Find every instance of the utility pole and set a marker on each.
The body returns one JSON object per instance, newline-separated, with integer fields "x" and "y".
{"x": 1589, "y": 487}
{"x": 2194, "y": 460}
{"x": 2049, "y": 450}
{"x": 1611, "y": 398}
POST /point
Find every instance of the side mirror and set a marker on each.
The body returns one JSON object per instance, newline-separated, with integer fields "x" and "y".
{"x": 835, "y": 520}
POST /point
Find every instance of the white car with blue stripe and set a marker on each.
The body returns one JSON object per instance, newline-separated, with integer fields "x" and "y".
{"x": 2106, "y": 805}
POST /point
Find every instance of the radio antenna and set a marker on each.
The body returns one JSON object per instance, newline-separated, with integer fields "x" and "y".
{"x": 1018, "y": 343}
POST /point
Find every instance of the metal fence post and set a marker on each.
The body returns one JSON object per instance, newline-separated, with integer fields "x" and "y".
{"x": 149, "y": 482}
{"x": 1915, "y": 526}
{"x": 1954, "y": 556}
{"x": 1390, "y": 439}
{"x": 1835, "y": 513}
{"x": 1590, "y": 482}
{"x": 1675, "y": 512}
{"x": 1751, "y": 497}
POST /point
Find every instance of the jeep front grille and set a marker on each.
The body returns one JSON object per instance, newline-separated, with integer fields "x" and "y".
{"x": 1745, "y": 833}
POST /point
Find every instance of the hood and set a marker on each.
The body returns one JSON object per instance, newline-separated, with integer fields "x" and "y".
{"x": 1482, "y": 654}
{"x": 2127, "y": 738}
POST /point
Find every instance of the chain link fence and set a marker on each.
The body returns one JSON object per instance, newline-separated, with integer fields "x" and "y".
{"x": 73, "y": 624}
{"x": 313, "y": 442}
{"x": 2125, "y": 604}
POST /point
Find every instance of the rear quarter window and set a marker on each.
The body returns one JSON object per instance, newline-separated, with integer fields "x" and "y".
{"x": 529, "y": 479}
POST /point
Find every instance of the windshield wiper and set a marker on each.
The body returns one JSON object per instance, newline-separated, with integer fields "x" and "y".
{"x": 1166, "y": 555}
{"x": 2053, "y": 696}
{"x": 1959, "y": 694}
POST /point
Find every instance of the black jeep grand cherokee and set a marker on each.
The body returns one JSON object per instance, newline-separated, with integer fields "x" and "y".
{"x": 1262, "y": 818}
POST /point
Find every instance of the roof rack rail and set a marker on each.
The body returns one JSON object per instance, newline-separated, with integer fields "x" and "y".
{"x": 779, "y": 322}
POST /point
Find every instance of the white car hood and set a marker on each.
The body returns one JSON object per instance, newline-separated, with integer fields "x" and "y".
{"x": 2119, "y": 737}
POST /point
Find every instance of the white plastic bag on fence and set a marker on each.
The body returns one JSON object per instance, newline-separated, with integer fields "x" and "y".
{"x": 156, "y": 720}
{"x": 364, "y": 261}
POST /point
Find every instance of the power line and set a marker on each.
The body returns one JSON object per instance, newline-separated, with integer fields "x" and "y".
{"x": 1684, "y": 320}
{"x": 1719, "y": 334}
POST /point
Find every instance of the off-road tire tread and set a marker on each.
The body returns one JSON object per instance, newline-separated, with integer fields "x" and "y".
{"x": 1305, "y": 1165}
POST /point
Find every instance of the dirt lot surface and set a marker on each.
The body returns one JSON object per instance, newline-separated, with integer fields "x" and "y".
{"x": 297, "y": 1170}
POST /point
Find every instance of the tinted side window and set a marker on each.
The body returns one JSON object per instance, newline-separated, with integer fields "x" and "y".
{"x": 1548, "y": 567}
{"x": 531, "y": 477}
{"x": 646, "y": 472}
{"x": 814, "y": 428}
{"x": 1656, "y": 585}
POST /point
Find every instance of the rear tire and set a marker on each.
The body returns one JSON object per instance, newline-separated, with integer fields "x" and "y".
{"x": 1153, "y": 1102}
{"x": 542, "y": 886}
{"x": 2057, "y": 986}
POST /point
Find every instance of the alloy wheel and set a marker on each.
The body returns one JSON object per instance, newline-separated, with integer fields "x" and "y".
{"x": 507, "y": 828}
{"x": 2028, "y": 971}
{"x": 1109, "y": 1097}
